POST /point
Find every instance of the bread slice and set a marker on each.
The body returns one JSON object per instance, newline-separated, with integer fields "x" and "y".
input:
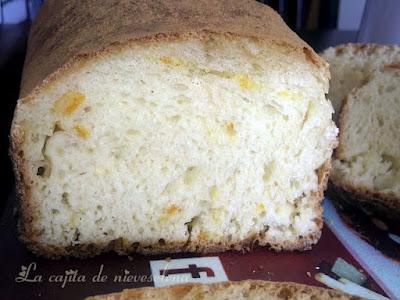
{"x": 169, "y": 127}
{"x": 351, "y": 64}
{"x": 367, "y": 161}
{"x": 246, "y": 289}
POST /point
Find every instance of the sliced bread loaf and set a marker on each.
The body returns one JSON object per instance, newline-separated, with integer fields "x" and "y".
{"x": 246, "y": 289}
{"x": 367, "y": 161}
{"x": 350, "y": 65}
{"x": 169, "y": 126}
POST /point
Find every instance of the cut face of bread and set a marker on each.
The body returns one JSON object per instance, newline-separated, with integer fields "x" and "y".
{"x": 202, "y": 143}
{"x": 368, "y": 158}
{"x": 246, "y": 289}
{"x": 351, "y": 64}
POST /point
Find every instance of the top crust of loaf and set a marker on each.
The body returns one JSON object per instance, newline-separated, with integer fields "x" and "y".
{"x": 68, "y": 31}
{"x": 359, "y": 48}
{"x": 246, "y": 289}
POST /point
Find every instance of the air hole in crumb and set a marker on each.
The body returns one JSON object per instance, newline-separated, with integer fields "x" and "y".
{"x": 40, "y": 171}
{"x": 268, "y": 170}
{"x": 190, "y": 175}
{"x": 180, "y": 87}
{"x": 87, "y": 109}
{"x": 182, "y": 99}
{"x": 390, "y": 88}
{"x": 257, "y": 67}
{"x": 57, "y": 127}
{"x": 77, "y": 234}
{"x": 161, "y": 242}
{"x": 393, "y": 161}
{"x": 34, "y": 138}
{"x": 380, "y": 120}
{"x": 174, "y": 119}
{"x": 132, "y": 131}
{"x": 65, "y": 199}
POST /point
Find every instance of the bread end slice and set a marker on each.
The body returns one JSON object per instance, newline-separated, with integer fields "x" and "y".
{"x": 351, "y": 64}
{"x": 367, "y": 162}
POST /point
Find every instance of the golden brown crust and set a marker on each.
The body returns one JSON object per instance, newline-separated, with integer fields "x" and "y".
{"x": 359, "y": 48}
{"x": 90, "y": 250}
{"x": 395, "y": 65}
{"x": 24, "y": 208}
{"x": 277, "y": 290}
{"x": 66, "y": 31}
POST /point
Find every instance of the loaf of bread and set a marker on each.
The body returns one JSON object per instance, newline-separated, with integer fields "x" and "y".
{"x": 351, "y": 64}
{"x": 367, "y": 161}
{"x": 246, "y": 289}
{"x": 164, "y": 126}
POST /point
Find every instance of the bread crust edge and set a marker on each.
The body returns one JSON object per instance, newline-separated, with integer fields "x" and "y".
{"x": 283, "y": 290}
